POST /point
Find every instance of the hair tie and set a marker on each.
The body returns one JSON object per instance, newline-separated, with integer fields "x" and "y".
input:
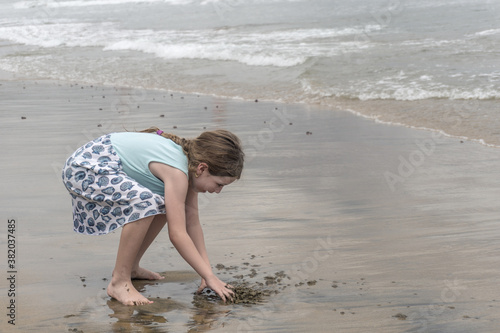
{"x": 159, "y": 132}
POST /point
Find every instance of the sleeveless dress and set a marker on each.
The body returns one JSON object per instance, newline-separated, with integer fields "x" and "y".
{"x": 98, "y": 178}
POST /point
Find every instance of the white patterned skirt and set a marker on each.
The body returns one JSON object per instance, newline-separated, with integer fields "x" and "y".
{"x": 103, "y": 196}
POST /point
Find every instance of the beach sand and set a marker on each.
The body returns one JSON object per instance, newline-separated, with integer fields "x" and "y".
{"x": 375, "y": 228}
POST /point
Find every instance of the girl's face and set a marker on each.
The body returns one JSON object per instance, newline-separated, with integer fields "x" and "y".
{"x": 205, "y": 182}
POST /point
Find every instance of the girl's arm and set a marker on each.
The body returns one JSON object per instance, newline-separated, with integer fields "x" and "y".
{"x": 176, "y": 189}
{"x": 194, "y": 228}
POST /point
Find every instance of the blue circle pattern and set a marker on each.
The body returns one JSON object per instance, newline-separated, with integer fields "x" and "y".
{"x": 104, "y": 197}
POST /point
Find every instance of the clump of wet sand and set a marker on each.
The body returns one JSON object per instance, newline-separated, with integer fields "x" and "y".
{"x": 244, "y": 293}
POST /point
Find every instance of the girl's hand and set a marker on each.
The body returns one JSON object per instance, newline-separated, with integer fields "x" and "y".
{"x": 221, "y": 288}
{"x": 203, "y": 285}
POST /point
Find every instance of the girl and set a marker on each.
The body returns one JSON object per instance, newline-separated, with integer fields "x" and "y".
{"x": 150, "y": 178}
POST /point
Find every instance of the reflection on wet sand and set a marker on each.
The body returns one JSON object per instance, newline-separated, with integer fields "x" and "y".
{"x": 181, "y": 311}
{"x": 130, "y": 318}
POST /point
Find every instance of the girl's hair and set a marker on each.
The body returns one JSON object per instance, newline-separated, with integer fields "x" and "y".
{"x": 220, "y": 150}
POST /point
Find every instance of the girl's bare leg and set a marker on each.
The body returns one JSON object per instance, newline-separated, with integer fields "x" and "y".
{"x": 138, "y": 272}
{"x": 131, "y": 240}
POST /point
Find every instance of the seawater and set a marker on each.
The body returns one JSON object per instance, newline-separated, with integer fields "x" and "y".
{"x": 431, "y": 64}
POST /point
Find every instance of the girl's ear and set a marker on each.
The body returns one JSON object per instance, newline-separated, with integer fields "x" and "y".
{"x": 201, "y": 167}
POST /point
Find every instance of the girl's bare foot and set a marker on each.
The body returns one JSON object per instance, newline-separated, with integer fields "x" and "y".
{"x": 144, "y": 274}
{"x": 125, "y": 293}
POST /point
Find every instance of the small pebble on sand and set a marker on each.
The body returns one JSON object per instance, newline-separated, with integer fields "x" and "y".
{"x": 400, "y": 316}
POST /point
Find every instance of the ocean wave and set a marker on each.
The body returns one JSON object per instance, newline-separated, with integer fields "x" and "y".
{"x": 442, "y": 3}
{"x": 418, "y": 93}
{"x": 319, "y": 36}
{"x": 488, "y": 32}
{"x": 90, "y": 3}
{"x": 281, "y": 48}
{"x": 410, "y": 91}
{"x": 59, "y": 34}
{"x": 430, "y": 42}
{"x": 236, "y": 2}
{"x": 219, "y": 52}
{"x": 83, "y": 3}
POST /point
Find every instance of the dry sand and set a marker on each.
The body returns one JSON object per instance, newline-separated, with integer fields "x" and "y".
{"x": 378, "y": 228}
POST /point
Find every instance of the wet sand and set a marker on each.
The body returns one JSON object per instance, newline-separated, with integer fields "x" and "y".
{"x": 376, "y": 228}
